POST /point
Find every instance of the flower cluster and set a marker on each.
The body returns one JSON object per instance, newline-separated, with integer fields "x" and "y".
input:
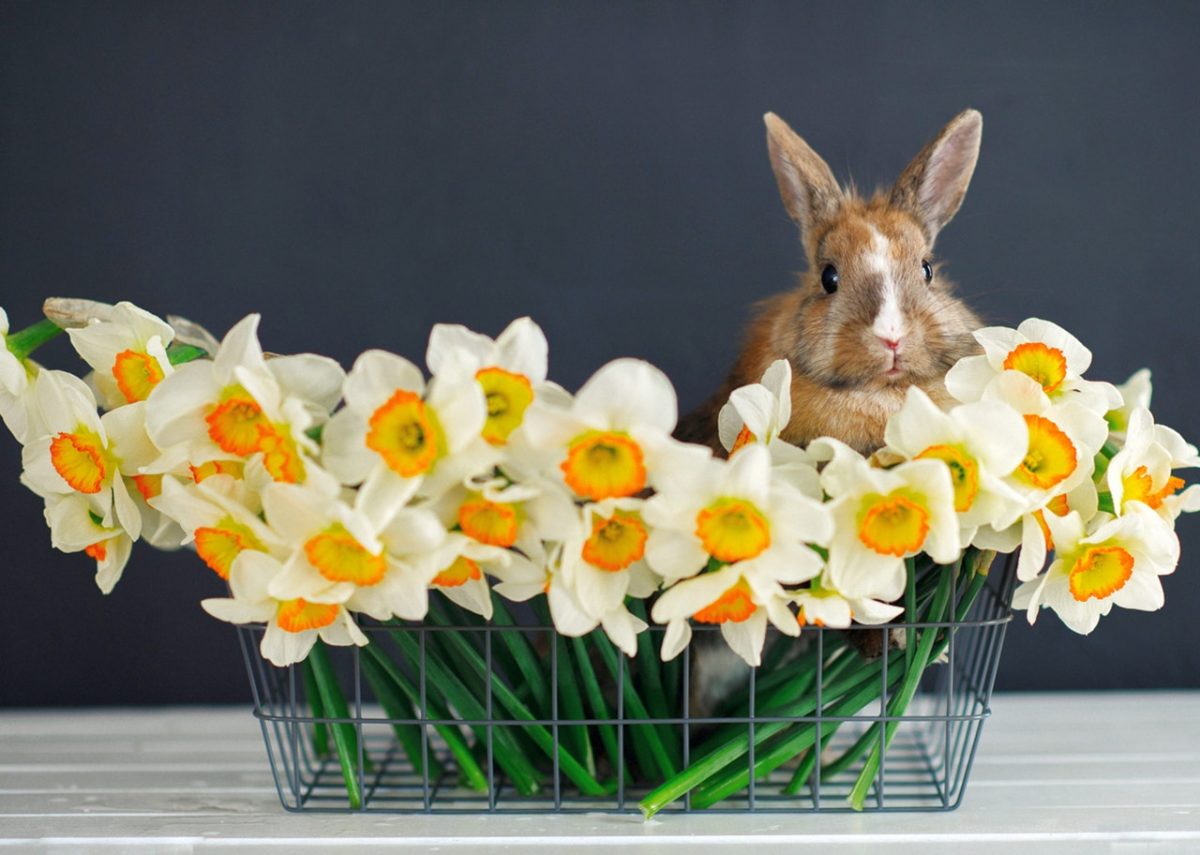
{"x": 321, "y": 496}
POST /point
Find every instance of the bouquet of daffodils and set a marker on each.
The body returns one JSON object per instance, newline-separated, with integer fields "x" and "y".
{"x": 324, "y": 499}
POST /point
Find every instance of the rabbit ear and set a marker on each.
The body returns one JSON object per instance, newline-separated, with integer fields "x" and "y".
{"x": 810, "y": 192}
{"x": 934, "y": 184}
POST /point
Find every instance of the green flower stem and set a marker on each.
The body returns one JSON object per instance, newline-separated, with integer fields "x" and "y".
{"x": 803, "y": 771}
{"x": 571, "y": 703}
{"x": 870, "y": 737}
{"x": 738, "y": 742}
{"x": 470, "y": 770}
{"x": 24, "y": 342}
{"x": 672, "y": 679}
{"x": 619, "y": 669}
{"x": 768, "y": 685}
{"x": 524, "y": 656}
{"x": 781, "y": 701}
{"x": 600, "y": 710}
{"x": 788, "y": 747}
{"x": 444, "y": 681}
{"x": 333, "y": 702}
{"x": 320, "y": 734}
{"x": 650, "y": 672}
{"x": 912, "y": 678}
{"x": 540, "y": 734}
{"x": 179, "y": 353}
{"x": 910, "y": 611}
{"x": 397, "y": 707}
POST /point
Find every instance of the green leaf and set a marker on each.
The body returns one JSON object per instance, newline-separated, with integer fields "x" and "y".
{"x": 345, "y": 739}
{"x": 471, "y": 772}
{"x": 24, "y": 342}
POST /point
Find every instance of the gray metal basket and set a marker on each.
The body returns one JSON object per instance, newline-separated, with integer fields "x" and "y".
{"x": 925, "y": 768}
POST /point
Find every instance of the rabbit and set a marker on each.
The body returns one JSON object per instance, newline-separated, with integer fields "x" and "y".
{"x": 873, "y": 314}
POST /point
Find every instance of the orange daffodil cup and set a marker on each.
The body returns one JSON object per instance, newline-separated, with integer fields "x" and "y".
{"x": 320, "y": 499}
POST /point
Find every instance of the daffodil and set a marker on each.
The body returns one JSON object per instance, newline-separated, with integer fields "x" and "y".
{"x": 750, "y": 532}
{"x": 614, "y": 439}
{"x": 235, "y": 406}
{"x": 540, "y": 572}
{"x": 74, "y": 527}
{"x": 511, "y": 370}
{"x": 1135, "y": 392}
{"x": 1041, "y": 350}
{"x": 86, "y": 454}
{"x": 344, "y": 555}
{"x": 15, "y": 389}
{"x": 214, "y": 520}
{"x": 292, "y": 625}
{"x": 732, "y": 512}
{"x": 758, "y": 413}
{"x": 739, "y": 597}
{"x": 500, "y": 512}
{"x": 395, "y": 436}
{"x": 127, "y": 352}
{"x": 461, "y": 565}
{"x": 1113, "y": 562}
{"x": 882, "y": 516}
{"x": 603, "y": 560}
{"x": 1064, "y": 439}
{"x": 980, "y": 443}
{"x": 1141, "y": 471}
{"x": 823, "y": 605}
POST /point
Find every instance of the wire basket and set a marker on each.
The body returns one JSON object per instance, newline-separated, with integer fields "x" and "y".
{"x": 924, "y": 767}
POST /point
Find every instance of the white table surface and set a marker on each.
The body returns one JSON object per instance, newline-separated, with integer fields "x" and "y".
{"x": 1069, "y": 773}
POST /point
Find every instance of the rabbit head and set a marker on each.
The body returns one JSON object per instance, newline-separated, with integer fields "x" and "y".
{"x": 873, "y": 310}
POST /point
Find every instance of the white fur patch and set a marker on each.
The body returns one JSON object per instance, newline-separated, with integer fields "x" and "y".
{"x": 889, "y": 323}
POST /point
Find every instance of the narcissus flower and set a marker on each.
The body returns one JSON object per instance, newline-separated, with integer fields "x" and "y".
{"x": 82, "y": 453}
{"x": 510, "y": 370}
{"x": 214, "y": 520}
{"x": 343, "y": 555}
{"x": 1113, "y": 562}
{"x": 614, "y": 440}
{"x": 395, "y": 436}
{"x": 292, "y": 625}
{"x": 603, "y": 560}
{"x": 541, "y": 573}
{"x": 461, "y": 565}
{"x": 127, "y": 351}
{"x": 1042, "y": 351}
{"x": 741, "y": 598}
{"x": 1064, "y": 439}
{"x": 1135, "y": 392}
{"x": 750, "y": 532}
{"x": 15, "y": 376}
{"x": 882, "y": 516}
{"x": 74, "y": 527}
{"x": 731, "y": 512}
{"x": 504, "y": 513}
{"x": 980, "y": 443}
{"x": 1142, "y": 471}
{"x": 823, "y": 605}
{"x": 236, "y": 406}
{"x": 758, "y": 413}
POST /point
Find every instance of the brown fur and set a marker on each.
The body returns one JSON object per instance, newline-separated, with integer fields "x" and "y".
{"x": 841, "y": 383}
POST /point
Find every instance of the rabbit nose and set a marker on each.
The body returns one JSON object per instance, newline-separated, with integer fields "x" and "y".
{"x": 890, "y": 343}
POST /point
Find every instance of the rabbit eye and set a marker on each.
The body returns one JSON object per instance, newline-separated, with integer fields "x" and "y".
{"x": 829, "y": 278}
{"x": 927, "y": 269}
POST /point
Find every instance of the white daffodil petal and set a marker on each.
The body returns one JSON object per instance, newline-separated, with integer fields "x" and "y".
{"x": 627, "y": 393}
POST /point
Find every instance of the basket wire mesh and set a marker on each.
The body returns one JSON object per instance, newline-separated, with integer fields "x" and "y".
{"x": 924, "y": 768}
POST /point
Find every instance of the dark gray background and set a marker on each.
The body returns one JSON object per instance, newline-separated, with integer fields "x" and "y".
{"x": 359, "y": 171}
